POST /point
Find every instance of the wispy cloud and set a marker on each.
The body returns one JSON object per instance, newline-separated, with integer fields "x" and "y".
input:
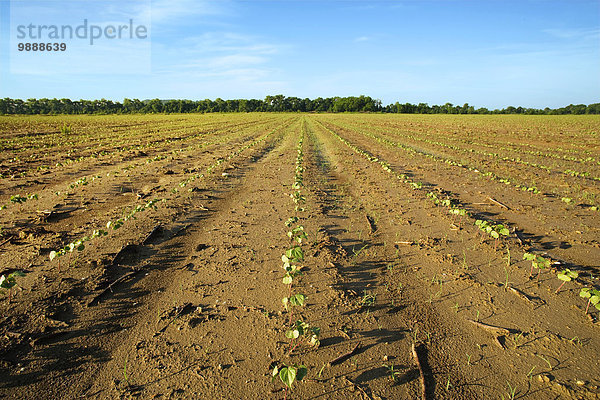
{"x": 574, "y": 33}
{"x": 361, "y": 39}
{"x": 225, "y": 55}
{"x": 168, "y": 11}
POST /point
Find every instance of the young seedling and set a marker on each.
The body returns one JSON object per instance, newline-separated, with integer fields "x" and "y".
{"x": 303, "y": 331}
{"x": 593, "y": 297}
{"x": 566, "y": 275}
{"x": 394, "y": 373}
{"x": 367, "y": 300}
{"x": 288, "y": 374}
{"x": 497, "y": 231}
{"x": 297, "y": 234}
{"x": 538, "y": 262}
{"x": 125, "y": 376}
{"x": 9, "y": 281}
{"x": 296, "y": 300}
{"x": 512, "y": 391}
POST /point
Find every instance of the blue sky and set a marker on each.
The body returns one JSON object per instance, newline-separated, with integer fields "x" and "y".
{"x": 491, "y": 53}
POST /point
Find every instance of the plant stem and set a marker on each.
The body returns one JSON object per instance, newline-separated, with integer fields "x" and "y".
{"x": 588, "y": 306}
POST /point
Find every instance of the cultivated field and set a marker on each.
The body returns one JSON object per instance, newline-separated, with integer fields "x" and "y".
{"x": 419, "y": 252}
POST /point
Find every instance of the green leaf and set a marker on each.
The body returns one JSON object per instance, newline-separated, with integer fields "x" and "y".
{"x": 297, "y": 300}
{"x": 295, "y": 254}
{"x": 528, "y": 256}
{"x": 287, "y": 280}
{"x": 301, "y": 373}
{"x": 8, "y": 282}
{"x": 564, "y": 277}
{"x": 292, "y": 334}
{"x": 288, "y": 376}
{"x": 585, "y": 293}
{"x": 53, "y": 255}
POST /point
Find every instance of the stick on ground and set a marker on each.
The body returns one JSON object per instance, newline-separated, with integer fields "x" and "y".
{"x": 421, "y": 373}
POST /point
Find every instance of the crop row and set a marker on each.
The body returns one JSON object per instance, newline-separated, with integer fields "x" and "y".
{"x": 86, "y": 180}
{"x": 298, "y": 331}
{"x": 467, "y": 138}
{"x": 496, "y": 155}
{"x": 128, "y": 215}
{"x": 494, "y": 230}
{"x": 125, "y": 146}
{"x": 533, "y": 189}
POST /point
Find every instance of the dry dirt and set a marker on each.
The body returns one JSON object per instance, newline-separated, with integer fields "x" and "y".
{"x": 184, "y": 301}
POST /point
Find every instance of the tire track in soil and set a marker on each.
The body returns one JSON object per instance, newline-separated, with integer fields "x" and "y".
{"x": 434, "y": 281}
{"x": 70, "y": 359}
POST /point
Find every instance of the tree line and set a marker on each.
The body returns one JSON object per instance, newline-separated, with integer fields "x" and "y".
{"x": 278, "y": 103}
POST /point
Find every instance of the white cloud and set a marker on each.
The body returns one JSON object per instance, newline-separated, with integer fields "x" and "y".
{"x": 361, "y": 39}
{"x": 574, "y": 33}
{"x": 223, "y": 59}
{"x": 169, "y": 11}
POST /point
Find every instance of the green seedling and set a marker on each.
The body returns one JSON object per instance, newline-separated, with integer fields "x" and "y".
{"x": 77, "y": 245}
{"x": 22, "y": 199}
{"x": 394, "y": 373}
{"x": 593, "y": 297}
{"x": 292, "y": 255}
{"x": 291, "y": 221}
{"x": 296, "y": 300}
{"x": 566, "y": 275}
{"x": 512, "y": 391}
{"x": 9, "y": 281}
{"x": 297, "y": 234}
{"x": 321, "y": 370}
{"x": 538, "y": 262}
{"x": 530, "y": 373}
{"x": 499, "y": 230}
{"x": 495, "y": 231}
{"x": 125, "y": 377}
{"x": 546, "y": 360}
{"x": 288, "y": 374}
{"x": 304, "y": 332}
{"x": 367, "y": 300}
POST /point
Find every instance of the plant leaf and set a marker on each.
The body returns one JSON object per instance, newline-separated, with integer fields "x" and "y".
{"x": 288, "y": 376}
{"x": 301, "y": 373}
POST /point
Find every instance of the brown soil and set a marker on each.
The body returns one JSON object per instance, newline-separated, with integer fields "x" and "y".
{"x": 184, "y": 301}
